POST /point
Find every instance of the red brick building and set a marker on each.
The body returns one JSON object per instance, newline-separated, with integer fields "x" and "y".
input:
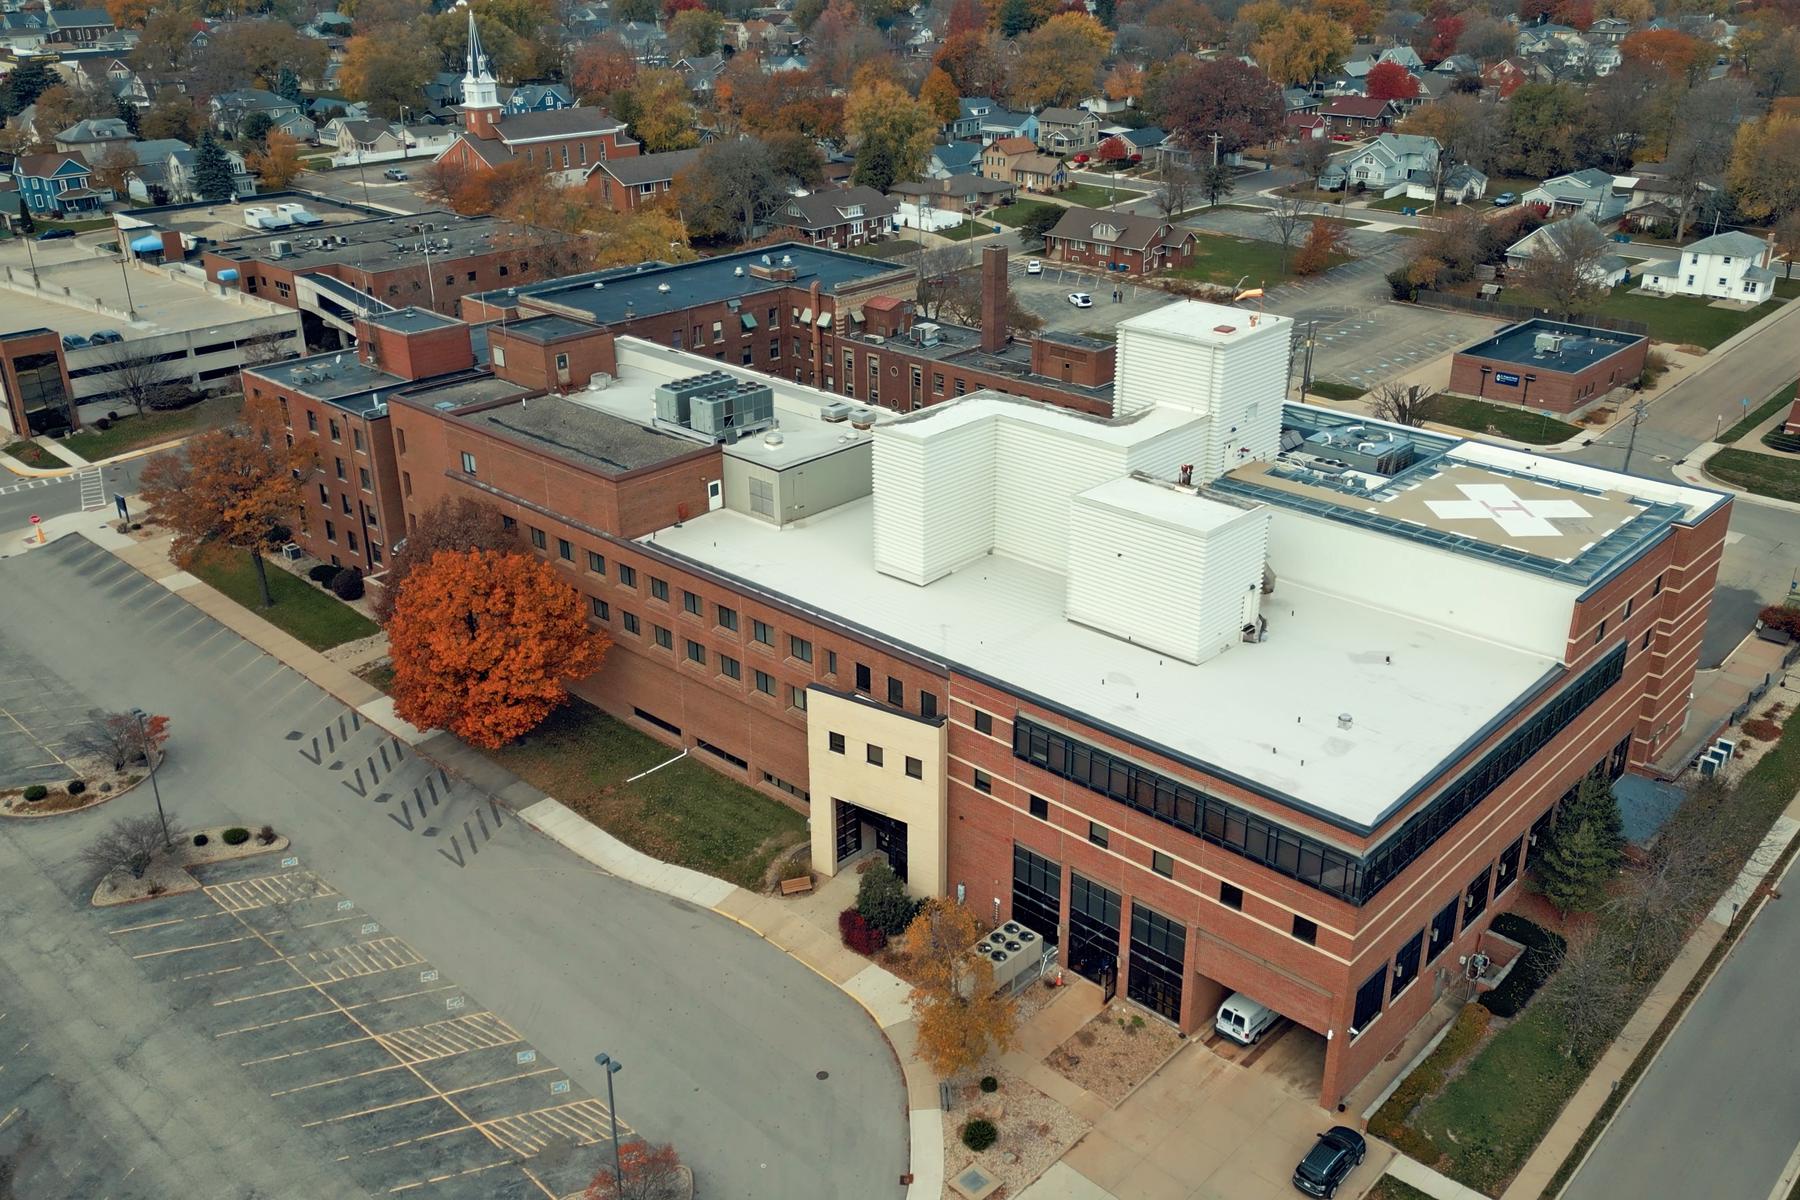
{"x": 1114, "y": 241}
{"x": 1551, "y": 365}
{"x": 625, "y": 183}
{"x": 34, "y": 383}
{"x": 838, "y": 217}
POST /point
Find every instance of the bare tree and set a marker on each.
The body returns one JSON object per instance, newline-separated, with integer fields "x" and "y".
{"x": 142, "y": 380}
{"x": 1591, "y": 993}
{"x": 131, "y": 845}
{"x": 119, "y": 737}
{"x": 264, "y": 348}
{"x": 1401, "y": 403}
{"x": 945, "y": 280}
{"x": 1567, "y": 268}
{"x": 1309, "y": 155}
{"x": 1705, "y": 124}
{"x": 1285, "y": 217}
{"x": 1175, "y": 191}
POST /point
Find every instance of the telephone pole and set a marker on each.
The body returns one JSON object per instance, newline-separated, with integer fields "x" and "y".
{"x": 1637, "y": 414}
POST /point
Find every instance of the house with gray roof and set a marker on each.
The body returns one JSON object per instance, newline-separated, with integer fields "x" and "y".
{"x": 1067, "y": 131}
{"x": 838, "y": 217}
{"x": 624, "y": 183}
{"x": 1387, "y": 164}
{"x": 1609, "y": 270}
{"x": 957, "y": 158}
{"x": 1591, "y": 192}
{"x": 1726, "y": 266}
{"x": 93, "y": 136}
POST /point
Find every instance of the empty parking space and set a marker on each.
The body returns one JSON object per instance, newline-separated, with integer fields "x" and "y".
{"x": 399, "y": 1074}
{"x": 39, "y": 712}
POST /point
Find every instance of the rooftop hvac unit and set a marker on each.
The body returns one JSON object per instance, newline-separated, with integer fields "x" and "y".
{"x": 835, "y": 413}
{"x": 1548, "y": 343}
{"x": 928, "y": 333}
{"x": 672, "y": 397}
{"x": 662, "y": 287}
{"x": 863, "y": 418}
{"x": 599, "y": 381}
{"x": 1011, "y": 951}
{"x": 280, "y": 248}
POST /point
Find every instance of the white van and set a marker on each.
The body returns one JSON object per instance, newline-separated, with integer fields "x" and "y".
{"x": 1243, "y": 1020}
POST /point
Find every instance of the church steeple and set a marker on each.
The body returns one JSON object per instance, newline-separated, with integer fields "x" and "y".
{"x": 481, "y": 97}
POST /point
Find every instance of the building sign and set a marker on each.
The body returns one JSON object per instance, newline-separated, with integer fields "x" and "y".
{"x": 1506, "y": 377}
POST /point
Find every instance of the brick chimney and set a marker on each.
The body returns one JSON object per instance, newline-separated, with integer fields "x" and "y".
{"x": 993, "y": 298}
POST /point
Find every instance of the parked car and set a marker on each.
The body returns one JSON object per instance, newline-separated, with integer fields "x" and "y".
{"x": 74, "y": 341}
{"x": 1081, "y": 300}
{"x": 105, "y": 337}
{"x": 1338, "y": 1152}
{"x": 1506, "y": 198}
{"x": 51, "y": 235}
{"x": 1034, "y": 267}
{"x": 1243, "y": 1020}
{"x": 395, "y": 173}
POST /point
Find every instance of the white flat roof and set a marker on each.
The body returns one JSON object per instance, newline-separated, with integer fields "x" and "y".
{"x": 1203, "y": 322}
{"x": 1179, "y": 508}
{"x": 1696, "y": 501}
{"x": 1267, "y": 713}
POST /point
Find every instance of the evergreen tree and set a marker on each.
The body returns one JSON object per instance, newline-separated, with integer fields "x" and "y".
{"x": 1581, "y": 852}
{"x": 128, "y": 113}
{"x": 1107, "y": 13}
{"x": 287, "y": 86}
{"x": 26, "y": 224}
{"x": 212, "y": 170}
{"x": 1017, "y": 17}
{"x": 881, "y": 899}
{"x": 23, "y": 86}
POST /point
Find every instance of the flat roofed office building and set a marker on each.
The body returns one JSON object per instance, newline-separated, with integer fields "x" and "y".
{"x": 1217, "y": 692}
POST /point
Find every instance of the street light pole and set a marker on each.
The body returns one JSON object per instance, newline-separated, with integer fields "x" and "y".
{"x": 613, "y": 1066}
{"x": 150, "y": 754}
{"x": 1637, "y": 414}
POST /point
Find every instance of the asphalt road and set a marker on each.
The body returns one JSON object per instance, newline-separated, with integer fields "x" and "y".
{"x": 723, "y": 1037}
{"x": 20, "y": 498}
{"x": 1718, "y": 1114}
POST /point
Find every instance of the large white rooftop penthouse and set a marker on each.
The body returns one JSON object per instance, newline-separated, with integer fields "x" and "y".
{"x": 1078, "y": 562}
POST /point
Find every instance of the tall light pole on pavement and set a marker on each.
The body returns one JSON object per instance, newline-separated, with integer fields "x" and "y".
{"x": 613, "y": 1066}
{"x": 150, "y": 754}
{"x": 1637, "y": 414}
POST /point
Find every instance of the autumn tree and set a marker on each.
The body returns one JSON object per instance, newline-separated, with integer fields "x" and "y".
{"x": 1671, "y": 53}
{"x": 232, "y": 487}
{"x": 129, "y": 14}
{"x": 646, "y": 1172}
{"x": 731, "y": 188}
{"x": 1223, "y": 96}
{"x": 695, "y": 32}
{"x": 1301, "y": 46}
{"x": 961, "y": 1018}
{"x": 1324, "y": 242}
{"x": 892, "y": 131}
{"x": 1059, "y": 62}
{"x": 460, "y": 524}
{"x": 1547, "y": 130}
{"x": 1580, "y": 854}
{"x": 171, "y": 115}
{"x": 602, "y": 67}
{"x": 939, "y": 95}
{"x": 1764, "y": 174}
{"x": 387, "y": 68}
{"x": 1390, "y": 81}
{"x": 1700, "y": 142}
{"x": 1567, "y": 270}
{"x": 278, "y": 163}
{"x": 483, "y": 643}
{"x": 1767, "y": 48}
{"x": 120, "y": 737}
{"x": 112, "y": 171}
{"x": 663, "y": 116}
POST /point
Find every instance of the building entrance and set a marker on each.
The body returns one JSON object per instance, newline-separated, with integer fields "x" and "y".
{"x": 1094, "y": 932}
{"x": 857, "y": 827}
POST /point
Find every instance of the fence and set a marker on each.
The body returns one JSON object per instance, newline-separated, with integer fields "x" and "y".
{"x": 1427, "y": 298}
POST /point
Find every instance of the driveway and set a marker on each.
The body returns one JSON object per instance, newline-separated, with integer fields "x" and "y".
{"x": 770, "y": 1081}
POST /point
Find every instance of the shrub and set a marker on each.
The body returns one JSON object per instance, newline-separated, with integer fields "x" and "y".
{"x": 103, "y": 423}
{"x": 1761, "y": 729}
{"x": 77, "y": 786}
{"x": 1389, "y": 1121}
{"x": 200, "y": 839}
{"x": 266, "y": 834}
{"x": 1543, "y": 951}
{"x": 858, "y": 934}
{"x": 323, "y": 573}
{"x": 989, "y": 1084}
{"x": 106, "y": 787}
{"x": 111, "y": 415}
{"x": 36, "y": 792}
{"x": 882, "y": 900}
{"x": 979, "y": 1134}
{"x": 347, "y": 584}
{"x": 1400, "y": 284}
{"x": 237, "y": 835}
{"x": 1777, "y": 617}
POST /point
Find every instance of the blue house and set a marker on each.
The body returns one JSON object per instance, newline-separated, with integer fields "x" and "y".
{"x": 535, "y": 97}
{"x": 56, "y": 185}
{"x": 957, "y": 158}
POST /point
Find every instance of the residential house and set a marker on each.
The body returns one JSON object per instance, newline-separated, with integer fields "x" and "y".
{"x": 1387, "y": 164}
{"x": 1145, "y": 141}
{"x": 957, "y": 158}
{"x": 1609, "y": 271}
{"x": 1300, "y": 100}
{"x": 625, "y": 183}
{"x": 1305, "y": 126}
{"x": 1457, "y": 64}
{"x": 648, "y": 44}
{"x": 969, "y": 112}
{"x": 1591, "y": 192}
{"x": 93, "y": 136}
{"x": 784, "y": 64}
{"x": 534, "y": 97}
{"x": 1609, "y": 31}
{"x": 148, "y": 182}
{"x": 1019, "y": 162}
{"x": 1115, "y": 241}
{"x": 23, "y": 32}
{"x": 838, "y": 218}
{"x": 1067, "y": 131}
{"x": 184, "y": 184}
{"x": 1359, "y": 116}
{"x": 1106, "y": 105}
{"x": 1651, "y": 188}
{"x": 363, "y": 137}
{"x": 112, "y": 77}
{"x": 935, "y": 204}
{"x": 1003, "y": 123}
{"x": 1726, "y": 266}
{"x": 700, "y": 72}
{"x": 1462, "y": 183}
{"x": 77, "y": 27}
{"x": 230, "y": 110}
{"x": 57, "y": 185}
{"x": 1509, "y": 74}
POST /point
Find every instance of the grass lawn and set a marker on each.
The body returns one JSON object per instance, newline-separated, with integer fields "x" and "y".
{"x": 1224, "y": 260}
{"x": 1400, "y": 203}
{"x": 1333, "y": 390}
{"x": 301, "y": 610}
{"x": 131, "y": 431}
{"x": 686, "y": 813}
{"x": 84, "y": 226}
{"x": 1389, "y": 1188}
{"x": 1784, "y": 396}
{"x": 1091, "y": 195}
{"x": 1015, "y": 215}
{"x": 1519, "y": 424}
{"x": 967, "y": 230}
{"x": 33, "y": 455}
{"x": 892, "y": 248}
{"x": 1684, "y": 320}
{"x": 1759, "y": 473}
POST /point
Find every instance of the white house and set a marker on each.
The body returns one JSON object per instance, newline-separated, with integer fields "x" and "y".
{"x": 1590, "y": 192}
{"x": 1726, "y": 266}
{"x": 1610, "y": 270}
{"x": 1462, "y": 183}
{"x": 1387, "y": 164}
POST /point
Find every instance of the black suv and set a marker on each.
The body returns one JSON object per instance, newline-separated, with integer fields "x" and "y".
{"x": 1337, "y": 1152}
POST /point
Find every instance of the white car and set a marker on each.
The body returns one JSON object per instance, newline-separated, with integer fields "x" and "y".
{"x": 1081, "y": 300}
{"x": 1034, "y": 267}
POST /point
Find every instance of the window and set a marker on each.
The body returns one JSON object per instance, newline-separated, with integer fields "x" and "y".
{"x": 330, "y": 532}
{"x": 345, "y": 502}
{"x": 1231, "y": 895}
{"x": 1645, "y": 644}
{"x": 1040, "y": 808}
{"x": 356, "y": 438}
{"x": 406, "y": 483}
{"x": 596, "y": 563}
{"x": 872, "y": 754}
{"x": 1599, "y": 633}
{"x": 984, "y": 782}
{"x": 627, "y": 576}
{"x": 696, "y": 652}
{"x": 601, "y": 609}
{"x": 896, "y": 692}
{"x": 1629, "y": 605}
{"x": 285, "y": 418}
{"x": 915, "y": 768}
{"x": 762, "y": 497}
{"x": 510, "y": 524}
{"x": 537, "y": 537}
{"x": 1508, "y": 869}
{"x": 659, "y": 589}
{"x": 765, "y": 683}
{"x": 729, "y": 668}
{"x": 1443, "y": 927}
{"x": 937, "y": 382}
{"x": 690, "y": 602}
{"x": 831, "y": 662}
{"x": 562, "y": 362}
{"x": 1406, "y": 963}
{"x": 718, "y": 331}
{"x": 1656, "y": 588}
{"x": 1368, "y": 1000}
{"x": 362, "y": 476}
{"x": 664, "y": 637}
{"x": 799, "y": 648}
{"x": 324, "y": 495}
{"x": 728, "y": 618}
{"x": 1097, "y": 834}
{"x": 1475, "y": 897}
{"x": 336, "y": 435}
{"x": 863, "y": 681}
{"x": 564, "y": 550}
{"x": 468, "y": 463}
{"x": 984, "y": 723}
{"x": 1162, "y": 864}
{"x": 928, "y": 705}
{"x": 1305, "y": 930}
{"x": 835, "y": 742}
{"x": 338, "y": 465}
{"x": 630, "y": 620}
{"x": 760, "y": 631}
{"x": 797, "y": 697}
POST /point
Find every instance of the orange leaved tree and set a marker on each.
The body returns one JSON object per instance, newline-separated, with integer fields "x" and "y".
{"x": 234, "y": 486}
{"x": 647, "y": 1173}
{"x": 961, "y": 1017}
{"x": 483, "y": 642}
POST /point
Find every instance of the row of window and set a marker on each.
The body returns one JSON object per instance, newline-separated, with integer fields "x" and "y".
{"x": 875, "y": 756}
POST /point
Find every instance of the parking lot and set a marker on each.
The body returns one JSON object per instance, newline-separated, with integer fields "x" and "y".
{"x": 38, "y": 713}
{"x": 1047, "y": 295}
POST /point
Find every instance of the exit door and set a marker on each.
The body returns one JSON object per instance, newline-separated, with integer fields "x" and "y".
{"x": 715, "y": 494}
